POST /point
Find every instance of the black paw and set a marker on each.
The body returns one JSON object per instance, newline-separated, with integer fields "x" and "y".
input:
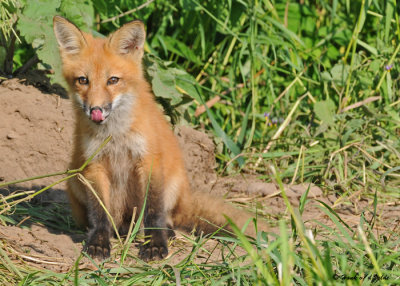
{"x": 122, "y": 230}
{"x": 153, "y": 250}
{"x": 98, "y": 245}
{"x": 171, "y": 233}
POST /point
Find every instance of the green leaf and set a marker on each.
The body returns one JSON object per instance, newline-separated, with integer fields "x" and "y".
{"x": 36, "y": 18}
{"x": 175, "y": 46}
{"x": 333, "y": 52}
{"x": 325, "y": 111}
{"x": 393, "y": 113}
{"x": 187, "y": 83}
{"x": 375, "y": 65}
{"x": 286, "y": 32}
{"x": 339, "y": 73}
{"x": 164, "y": 78}
{"x": 41, "y": 10}
{"x": 81, "y": 13}
{"x": 163, "y": 84}
{"x": 35, "y": 25}
{"x": 8, "y": 219}
{"x": 390, "y": 4}
{"x": 3, "y": 53}
{"x": 243, "y": 127}
{"x": 369, "y": 48}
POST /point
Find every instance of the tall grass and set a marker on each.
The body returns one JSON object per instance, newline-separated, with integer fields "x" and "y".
{"x": 252, "y": 62}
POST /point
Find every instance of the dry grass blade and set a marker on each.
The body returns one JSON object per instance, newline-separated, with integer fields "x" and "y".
{"x": 131, "y": 225}
{"x": 93, "y": 191}
{"x": 127, "y": 12}
{"x": 7, "y": 206}
{"x": 361, "y": 103}
{"x": 281, "y": 128}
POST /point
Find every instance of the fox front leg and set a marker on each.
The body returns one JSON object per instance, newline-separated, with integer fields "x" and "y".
{"x": 156, "y": 245}
{"x": 98, "y": 237}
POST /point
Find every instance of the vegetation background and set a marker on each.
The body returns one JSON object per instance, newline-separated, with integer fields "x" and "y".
{"x": 308, "y": 87}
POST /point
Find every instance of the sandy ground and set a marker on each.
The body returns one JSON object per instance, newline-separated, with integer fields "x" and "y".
{"x": 36, "y": 139}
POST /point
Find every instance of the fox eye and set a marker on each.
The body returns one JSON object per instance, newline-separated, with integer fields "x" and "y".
{"x": 83, "y": 80}
{"x": 112, "y": 80}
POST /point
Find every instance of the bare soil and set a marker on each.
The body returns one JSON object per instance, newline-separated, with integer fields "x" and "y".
{"x": 36, "y": 138}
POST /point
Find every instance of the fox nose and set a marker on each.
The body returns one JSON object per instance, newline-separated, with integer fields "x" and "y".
{"x": 96, "y": 108}
{"x": 96, "y": 114}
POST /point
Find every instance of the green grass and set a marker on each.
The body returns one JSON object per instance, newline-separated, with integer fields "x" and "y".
{"x": 311, "y": 89}
{"x": 339, "y": 255}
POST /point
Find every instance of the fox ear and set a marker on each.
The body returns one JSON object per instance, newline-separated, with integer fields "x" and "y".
{"x": 129, "y": 38}
{"x": 69, "y": 37}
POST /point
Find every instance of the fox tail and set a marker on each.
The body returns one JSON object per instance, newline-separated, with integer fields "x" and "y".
{"x": 206, "y": 213}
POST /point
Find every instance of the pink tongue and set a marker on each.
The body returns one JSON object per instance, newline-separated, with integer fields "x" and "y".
{"x": 96, "y": 115}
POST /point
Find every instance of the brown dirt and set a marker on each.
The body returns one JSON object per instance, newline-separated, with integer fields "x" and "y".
{"x": 35, "y": 132}
{"x": 36, "y": 139}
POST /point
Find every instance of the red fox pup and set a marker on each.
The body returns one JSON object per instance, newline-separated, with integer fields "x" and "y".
{"x": 112, "y": 97}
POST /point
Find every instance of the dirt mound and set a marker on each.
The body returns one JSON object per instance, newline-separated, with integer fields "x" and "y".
{"x": 198, "y": 149}
{"x": 35, "y": 132}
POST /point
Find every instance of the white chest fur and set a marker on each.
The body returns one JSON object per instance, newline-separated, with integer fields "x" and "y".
{"x": 122, "y": 153}
{"x": 120, "y": 146}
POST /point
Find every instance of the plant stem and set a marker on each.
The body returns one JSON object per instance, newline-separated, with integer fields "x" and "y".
{"x": 6, "y": 206}
{"x": 127, "y": 12}
{"x": 386, "y": 71}
{"x": 353, "y": 43}
{"x": 8, "y": 62}
{"x": 253, "y": 75}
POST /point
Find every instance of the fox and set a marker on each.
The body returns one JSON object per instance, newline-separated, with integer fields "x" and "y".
{"x": 142, "y": 162}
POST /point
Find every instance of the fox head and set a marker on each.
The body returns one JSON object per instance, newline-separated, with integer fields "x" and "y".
{"x": 101, "y": 72}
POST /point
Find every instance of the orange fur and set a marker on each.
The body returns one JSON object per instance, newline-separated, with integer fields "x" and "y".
{"x": 143, "y": 146}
